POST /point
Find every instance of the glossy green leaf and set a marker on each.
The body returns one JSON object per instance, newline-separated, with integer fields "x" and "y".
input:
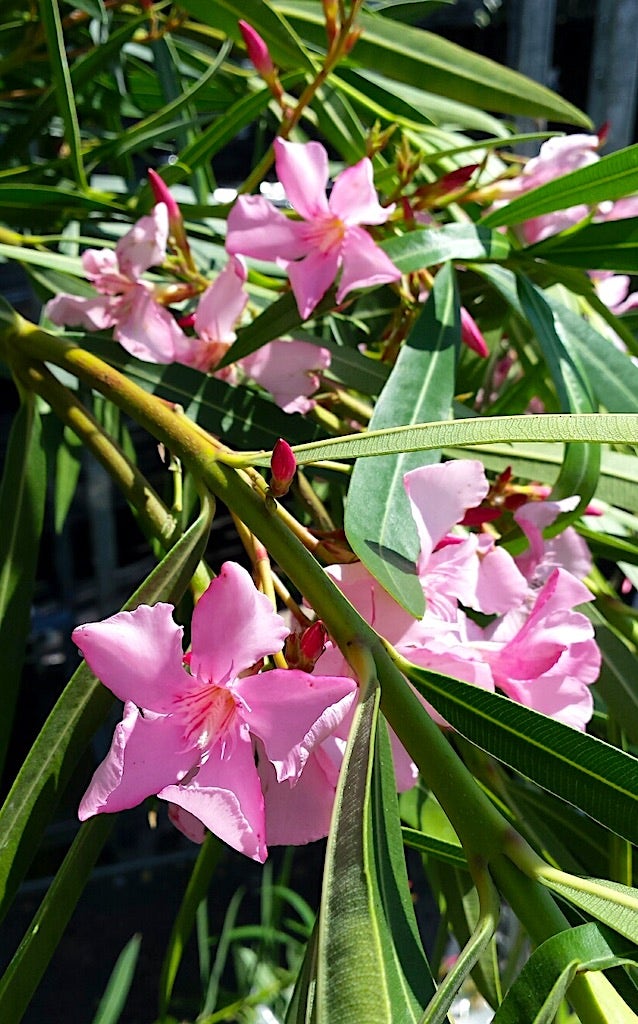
{"x": 22, "y": 500}
{"x": 617, "y": 681}
{"x": 285, "y": 46}
{"x": 370, "y": 964}
{"x": 609, "y": 246}
{"x": 378, "y": 520}
{"x": 597, "y": 778}
{"x": 112, "y": 1002}
{"x": 482, "y": 430}
{"x": 427, "y": 246}
{"x": 612, "y": 177}
{"x": 198, "y": 885}
{"x": 23, "y": 974}
{"x": 57, "y": 50}
{"x": 614, "y": 904}
{"x": 581, "y": 463}
{"x": 78, "y": 712}
{"x": 542, "y": 984}
{"x": 238, "y": 414}
{"x": 414, "y": 56}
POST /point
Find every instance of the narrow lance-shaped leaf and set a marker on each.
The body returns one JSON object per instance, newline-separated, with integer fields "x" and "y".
{"x": 22, "y": 499}
{"x": 370, "y": 963}
{"x": 612, "y": 245}
{"x": 612, "y": 177}
{"x": 78, "y": 712}
{"x": 427, "y": 246}
{"x": 614, "y": 904}
{"x": 378, "y": 521}
{"x": 597, "y": 778}
{"x": 537, "y": 993}
{"x": 581, "y": 465}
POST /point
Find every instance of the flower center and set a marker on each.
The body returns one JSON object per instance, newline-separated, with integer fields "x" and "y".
{"x": 326, "y": 233}
{"x": 207, "y": 711}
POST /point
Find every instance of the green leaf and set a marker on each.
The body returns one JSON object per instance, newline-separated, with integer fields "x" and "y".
{"x": 612, "y": 177}
{"x": 542, "y": 984}
{"x": 78, "y": 712}
{"x": 378, "y": 521}
{"x": 481, "y": 430}
{"x": 609, "y": 246}
{"x": 22, "y": 500}
{"x": 411, "y": 55}
{"x": 614, "y": 904}
{"x": 581, "y": 464}
{"x": 432, "y": 846}
{"x": 370, "y": 964}
{"x": 112, "y": 1002}
{"x": 41, "y": 939}
{"x": 617, "y": 681}
{"x": 198, "y": 885}
{"x": 285, "y": 46}
{"x": 238, "y": 414}
{"x": 56, "y": 46}
{"x": 427, "y": 246}
{"x": 597, "y": 778}
{"x": 68, "y": 463}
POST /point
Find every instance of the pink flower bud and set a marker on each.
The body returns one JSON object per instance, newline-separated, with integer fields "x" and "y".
{"x": 471, "y": 334}
{"x": 313, "y": 642}
{"x": 283, "y": 467}
{"x": 162, "y": 194}
{"x": 257, "y": 50}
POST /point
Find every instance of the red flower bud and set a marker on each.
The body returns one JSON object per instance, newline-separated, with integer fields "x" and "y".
{"x": 162, "y": 194}
{"x": 283, "y": 467}
{"x": 258, "y": 51}
{"x": 313, "y": 641}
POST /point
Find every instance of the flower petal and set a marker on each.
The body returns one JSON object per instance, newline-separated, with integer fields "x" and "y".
{"x": 288, "y": 369}
{"x": 137, "y": 655}
{"x": 302, "y": 169}
{"x": 222, "y": 304}
{"x": 354, "y": 199}
{"x": 144, "y": 245}
{"x": 256, "y": 228}
{"x": 146, "y": 754}
{"x": 94, "y": 314}
{"x": 225, "y": 795}
{"x": 291, "y": 712}
{"x": 148, "y": 331}
{"x": 234, "y": 626}
{"x": 298, "y": 814}
{"x": 440, "y": 495}
{"x": 311, "y": 277}
{"x": 364, "y": 263}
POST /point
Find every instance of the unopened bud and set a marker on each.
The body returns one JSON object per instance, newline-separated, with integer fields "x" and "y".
{"x": 283, "y": 467}
{"x": 303, "y": 650}
{"x": 471, "y": 334}
{"x": 257, "y": 50}
{"x": 177, "y": 232}
{"x": 331, "y": 15}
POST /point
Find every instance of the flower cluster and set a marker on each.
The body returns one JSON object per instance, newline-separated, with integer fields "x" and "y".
{"x": 535, "y": 647}
{"x": 248, "y": 754}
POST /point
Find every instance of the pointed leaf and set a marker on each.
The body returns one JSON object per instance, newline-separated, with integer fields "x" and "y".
{"x": 112, "y": 1002}
{"x": 424, "y": 247}
{"x": 378, "y": 521}
{"x": 597, "y": 778}
{"x": 612, "y": 177}
{"x": 609, "y": 246}
{"x": 537, "y": 993}
{"x": 614, "y": 904}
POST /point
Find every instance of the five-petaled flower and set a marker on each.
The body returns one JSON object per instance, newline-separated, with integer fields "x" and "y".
{"x": 195, "y": 727}
{"x": 328, "y": 239}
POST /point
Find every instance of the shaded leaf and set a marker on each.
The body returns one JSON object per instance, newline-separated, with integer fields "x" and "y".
{"x": 609, "y": 246}
{"x": 112, "y": 1002}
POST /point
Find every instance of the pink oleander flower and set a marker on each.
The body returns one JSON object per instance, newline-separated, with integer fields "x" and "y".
{"x": 329, "y": 237}
{"x": 537, "y": 649}
{"x": 194, "y": 724}
{"x": 126, "y": 302}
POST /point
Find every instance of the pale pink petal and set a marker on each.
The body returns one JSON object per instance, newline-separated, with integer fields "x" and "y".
{"x": 137, "y": 655}
{"x": 311, "y": 277}
{"x": 612, "y": 289}
{"x": 364, "y": 263}
{"x": 500, "y": 585}
{"x": 222, "y": 304}
{"x": 566, "y": 700}
{"x": 101, "y": 268}
{"x": 440, "y": 495}
{"x": 147, "y": 753}
{"x": 187, "y": 823}
{"x": 622, "y": 208}
{"x": 302, "y": 169}
{"x": 299, "y": 814}
{"x": 94, "y": 314}
{"x": 148, "y": 331}
{"x": 406, "y": 772}
{"x": 289, "y": 370}
{"x": 539, "y": 228}
{"x": 559, "y": 156}
{"x": 292, "y": 712}
{"x": 225, "y": 795}
{"x": 354, "y": 199}
{"x": 256, "y": 228}
{"x": 373, "y": 603}
{"x": 233, "y": 627}
{"x": 144, "y": 245}
{"x": 567, "y": 550}
{"x": 449, "y": 575}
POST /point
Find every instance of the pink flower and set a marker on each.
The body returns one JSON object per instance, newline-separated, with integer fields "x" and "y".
{"x": 191, "y": 735}
{"x": 290, "y": 370}
{"x": 125, "y": 301}
{"x": 218, "y": 313}
{"x": 329, "y": 237}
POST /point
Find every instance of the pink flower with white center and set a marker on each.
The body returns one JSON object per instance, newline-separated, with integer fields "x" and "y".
{"x": 328, "y": 239}
{"x": 191, "y": 735}
{"x": 126, "y": 302}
